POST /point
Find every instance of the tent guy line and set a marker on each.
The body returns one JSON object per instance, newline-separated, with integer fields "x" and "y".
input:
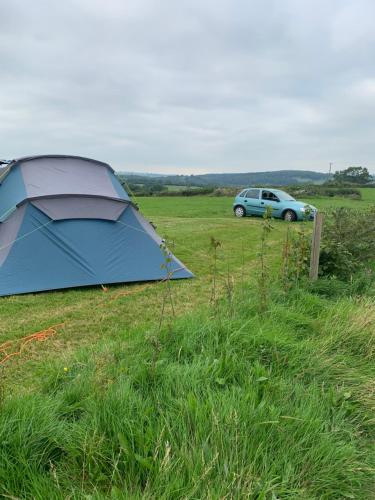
{"x": 25, "y": 235}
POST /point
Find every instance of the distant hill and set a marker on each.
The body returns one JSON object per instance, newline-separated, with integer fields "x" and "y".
{"x": 278, "y": 178}
{"x": 139, "y": 174}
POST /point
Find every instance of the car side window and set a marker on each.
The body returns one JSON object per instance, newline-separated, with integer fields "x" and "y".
{"x": 253, "y": 193}
{"x": 268, "y": 195}
{"x": 242, "y": 193}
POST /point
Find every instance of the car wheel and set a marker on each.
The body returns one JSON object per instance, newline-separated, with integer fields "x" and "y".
{"x": 239, "y": 212}
{"x": 289, "y": 216}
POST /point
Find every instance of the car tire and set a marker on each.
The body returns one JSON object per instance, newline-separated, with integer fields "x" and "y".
{"x": 290, "y": 216}
{"x": 239, "y": 211}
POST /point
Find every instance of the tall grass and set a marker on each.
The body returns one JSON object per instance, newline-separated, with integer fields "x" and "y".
{"x": 245, "y": 406}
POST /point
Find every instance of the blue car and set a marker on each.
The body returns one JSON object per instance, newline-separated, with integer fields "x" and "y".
{"x": 254, "y": 201}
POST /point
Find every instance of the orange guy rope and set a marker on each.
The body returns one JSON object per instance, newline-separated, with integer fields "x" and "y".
{"x": 34, "y": 337}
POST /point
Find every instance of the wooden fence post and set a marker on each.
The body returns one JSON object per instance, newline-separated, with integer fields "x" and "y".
{"x": 315, "y": 246}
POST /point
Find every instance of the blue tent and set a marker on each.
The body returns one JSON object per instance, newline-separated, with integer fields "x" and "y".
{"x": 66, "y": 221}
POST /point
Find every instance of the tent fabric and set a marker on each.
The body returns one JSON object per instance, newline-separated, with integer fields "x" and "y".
{"x": 55, "y": 175}
{"x": 52, "y": 176}
{"x": 9, "y": 231}
{"x": 69, "y": 239}
{"x": 12, "y": 191}
{"x": 81, "y": 207}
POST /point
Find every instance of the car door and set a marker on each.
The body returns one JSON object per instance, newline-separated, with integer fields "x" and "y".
{"x": 269, "y": 199}
{"x": 252, "y": 202}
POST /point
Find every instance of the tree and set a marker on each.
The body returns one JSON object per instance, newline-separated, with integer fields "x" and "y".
{"x": 157, "y": 188}
{"x": 352, "y": 175}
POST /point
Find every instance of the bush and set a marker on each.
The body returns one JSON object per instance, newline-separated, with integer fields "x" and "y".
{"x": 188, "y": 192}
{"x": 311, "y": 190}
{"x": 345, "y": 192}
{"x": 348, "y": 243}
{"x": 227, "y": 191}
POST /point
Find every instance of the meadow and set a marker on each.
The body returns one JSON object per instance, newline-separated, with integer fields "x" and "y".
{"x": 219, "y": 402}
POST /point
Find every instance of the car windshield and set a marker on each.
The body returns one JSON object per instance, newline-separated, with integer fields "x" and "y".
{"x": 282, "y": 195}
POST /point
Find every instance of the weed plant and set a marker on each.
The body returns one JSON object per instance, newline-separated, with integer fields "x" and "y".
{"x": 263, "y": 274}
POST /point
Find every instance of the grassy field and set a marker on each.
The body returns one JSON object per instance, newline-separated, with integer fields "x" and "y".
{"x": 214, "y": 207}
{"x": 222, "y": 402}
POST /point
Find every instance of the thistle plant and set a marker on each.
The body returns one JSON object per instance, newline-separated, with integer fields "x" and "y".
{"x": 286, "y": 260}
{"x": 263, "y": 271}
{"x": 2, "y": 387}
{"x": 242, "y": 263}
{"x": 214, "y": 245}
{"x": 302, "y": 249}
{"x": 167, "y": 295}
{"x": 296, "y": 253}
{"x": 302, "y": 264}
{"x": 229, "y": 288}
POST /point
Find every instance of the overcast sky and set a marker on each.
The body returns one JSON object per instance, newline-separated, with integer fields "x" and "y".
{"x": 190, "y": 86}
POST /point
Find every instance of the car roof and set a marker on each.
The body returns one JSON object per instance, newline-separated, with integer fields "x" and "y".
{"x": 265, "y": 189}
